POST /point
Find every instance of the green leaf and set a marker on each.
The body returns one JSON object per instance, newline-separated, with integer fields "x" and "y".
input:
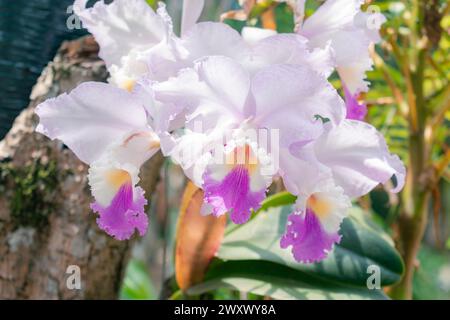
{"x": 362, "y": 245}
{"x": 152, "y": 3}
{"x": 279, "y": 282}
{"x": 250, "y": 259}
{"x": 137, "y": 284}
{"x": 284, "y": 18}
{"x": 432, "y": 279}
{"x": 278, "y": 200}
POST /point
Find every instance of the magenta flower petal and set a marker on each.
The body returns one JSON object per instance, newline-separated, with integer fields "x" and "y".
{"x": 123, "y": 215}
{"x": 355, "y": 110}
{"x": 309, "y": 240}
{"x": 233, "y": 195}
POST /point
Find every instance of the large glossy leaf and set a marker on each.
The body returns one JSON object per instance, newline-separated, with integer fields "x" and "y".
{"x": 362, "y": 245}
{"x": 250, "y": 259}
{"x": 279, "y": 282}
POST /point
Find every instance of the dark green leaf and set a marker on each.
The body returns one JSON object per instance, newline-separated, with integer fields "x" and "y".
{"x": 363, "y": 244}
{"x": 250, "y": 259}
{"x": 279, "y": 282}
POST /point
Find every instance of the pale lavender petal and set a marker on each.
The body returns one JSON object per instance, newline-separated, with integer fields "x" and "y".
{"x": 253, "y": 35}
{"x": 300, "y": 170}
{"x": 359, "y": 158}
{"x": 309, "y": 240}
{"x": 124, "y": 215}
{"x": 353, "y": 61}
{"x": 331, "y": 17}
{"x": 121, "y": 26}
{"x": 215, "y": 92}
{"x": 214, "y": 39}
{"x": 294, "y": 93}
{"x": 90, "y": 118}
{"x": 233, "y": 195}
{"x": 351, "y": 33}
{"x": 192, "y": 10}
{"x": 355, "y": 110}
{"x": 290, "y": 49}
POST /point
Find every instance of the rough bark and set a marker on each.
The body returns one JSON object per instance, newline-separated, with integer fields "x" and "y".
{"x": 46, "y": 224}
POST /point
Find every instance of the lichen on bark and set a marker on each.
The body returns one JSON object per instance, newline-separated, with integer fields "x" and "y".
{"x": 32, "y": 191}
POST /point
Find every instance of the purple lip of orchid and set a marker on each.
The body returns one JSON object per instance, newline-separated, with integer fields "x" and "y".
{"x": 233, "y": 195}
{"x": 355, "y": 110}
{"x": 124, "y": 215}
{"x": 309, "y": 241}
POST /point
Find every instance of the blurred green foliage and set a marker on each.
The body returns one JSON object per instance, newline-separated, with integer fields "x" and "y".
{"x": 432, "y": 279}
{"x": 137, "y": 284}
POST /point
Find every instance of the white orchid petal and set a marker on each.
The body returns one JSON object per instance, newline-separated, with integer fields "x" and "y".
{"x": 351, "y": 33}
{"x": 214, "y": 92}
{"x": 90, "y": 118}
{"x": 253, "y": 35}
{"x": 106, "y": 176}
{"x": 292, "y": 91}
{"x": 291, "y": 49}
{"x": 211, "y": 39}
{"x": 192, "y": 10}
{"x": 121, "y": 26}
{"x": 359, "y": 158}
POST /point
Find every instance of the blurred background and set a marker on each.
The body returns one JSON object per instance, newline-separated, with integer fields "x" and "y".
{"x": 32, "y": 31}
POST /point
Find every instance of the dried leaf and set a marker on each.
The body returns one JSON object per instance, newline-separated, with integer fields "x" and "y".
{"x": 268, "y": 20}
{"x": 198, "y": 238}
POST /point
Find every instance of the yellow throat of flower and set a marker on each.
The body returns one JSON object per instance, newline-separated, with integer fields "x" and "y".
{"x": 118, "y": 177}
{"x": 321, "y": 206}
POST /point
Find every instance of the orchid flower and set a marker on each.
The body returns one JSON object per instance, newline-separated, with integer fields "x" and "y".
{"x": 250, "y": 49}
{"x": 313, "y": 227}
{"x": 235, "y": 111}
{"x": 336, "y": 24}
{"x": 136, "y": 41}
{"x": 350, "y": 160}
{"x": 126, "y": 32}
{"x": 92, "y": 122}
{"x": 351, "y": 33}
{"x": 221, "y": 95}
{"x": 323, "y": 163}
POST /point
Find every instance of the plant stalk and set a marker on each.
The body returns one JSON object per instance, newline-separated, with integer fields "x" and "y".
{"x": 413, "y": 218}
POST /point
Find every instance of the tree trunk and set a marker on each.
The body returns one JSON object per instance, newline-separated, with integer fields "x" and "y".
{"x": 46, "y": 224}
